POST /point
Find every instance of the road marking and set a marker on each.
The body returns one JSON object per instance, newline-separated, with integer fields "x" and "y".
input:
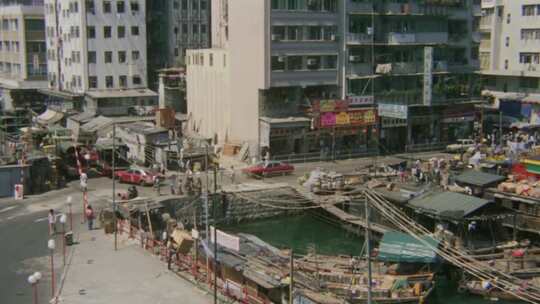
{"x": 7, "y": 209}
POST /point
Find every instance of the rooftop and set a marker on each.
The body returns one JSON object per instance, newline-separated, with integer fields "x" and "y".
{"x": 478, "y": 178}
{"x": 449, "y": 205}
{"x": 121, "y": 93}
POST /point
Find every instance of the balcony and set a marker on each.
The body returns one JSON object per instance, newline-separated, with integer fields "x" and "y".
{"x": 477, "y": 10}
{"x": 400, "y": 97}
{"x": 35, "y": 35}
{"x": 358, "y": 38}
{"x": 432, "y": 37}
{"x": 355, "y": 7}
{"x": 304, "y": 78}
{"x": 485, "y": 45}
{"x": 406, "y": 68}
{"x": 401, "y": 38}
{"x": 359, "y": 69}
{"x": 485, "y": 23}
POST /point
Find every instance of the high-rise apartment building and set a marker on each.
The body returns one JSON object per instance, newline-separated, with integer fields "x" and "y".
{"x": 510, "y": 60}
{"x": 175, "y": 26}
{"x": 300, "y": 76}
{"x": 23, "y": 63}
{"x": 96, "y": 52}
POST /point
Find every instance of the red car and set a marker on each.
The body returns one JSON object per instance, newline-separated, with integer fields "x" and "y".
{"x": 269, "y": 168}
{"x": 136, "y": 176}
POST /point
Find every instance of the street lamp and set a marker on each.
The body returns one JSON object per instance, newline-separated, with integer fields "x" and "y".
{"x": 63, "y": 219}
{"x": 34, "y": 280}
{"x": 68, "y": 201}
{"x": 52, "y": 245}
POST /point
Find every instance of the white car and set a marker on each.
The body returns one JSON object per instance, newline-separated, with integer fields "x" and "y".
{"x": 462, "y": 145}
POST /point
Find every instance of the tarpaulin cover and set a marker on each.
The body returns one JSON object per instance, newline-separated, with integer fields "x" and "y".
{"x": 403, "y": 248}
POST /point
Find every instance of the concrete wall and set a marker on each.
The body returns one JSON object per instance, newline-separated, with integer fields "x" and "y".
{"x": 209, "y": 105}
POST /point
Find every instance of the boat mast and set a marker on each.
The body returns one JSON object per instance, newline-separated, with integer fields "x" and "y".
{"x": 368, "y": 251}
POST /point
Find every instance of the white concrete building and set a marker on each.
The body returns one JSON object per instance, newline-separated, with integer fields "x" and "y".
{"x": 510, "y": 58}
{"x": 299, "y": 74}
{"x": 97, "y": 50}
{"x": 23, "y": 65}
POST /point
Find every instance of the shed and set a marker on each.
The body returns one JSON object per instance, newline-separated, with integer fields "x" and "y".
{"x": 479, "y": 179}
{"x": 402, "y": 248}
{"x": 450, "y": 205}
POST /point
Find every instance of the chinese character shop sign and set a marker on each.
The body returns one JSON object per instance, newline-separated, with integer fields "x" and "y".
{"x": 352, "y": 118}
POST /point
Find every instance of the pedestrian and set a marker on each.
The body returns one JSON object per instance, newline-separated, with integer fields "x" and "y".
{"x": 89, "y": 212}
{"x": 84, "y": 182}
{"x": 173, "y": 184}
{"x": 52, "y": 222}
{"x": 232, "y": 175}
{"x": 157, "y": 185}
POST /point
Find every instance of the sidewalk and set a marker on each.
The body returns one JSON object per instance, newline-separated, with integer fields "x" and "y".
{"x": 98, "y": 274}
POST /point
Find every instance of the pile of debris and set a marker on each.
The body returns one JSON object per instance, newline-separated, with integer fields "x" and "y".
{"x": 523, "y": 188}
{"x": 324, "y": 182}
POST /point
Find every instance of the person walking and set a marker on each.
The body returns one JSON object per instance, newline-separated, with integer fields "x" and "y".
{"x": 89, "y": 212}
{"x": 157, "y": 185}
{"x": 232, "y": 175}
{"x": 52, "y": 222}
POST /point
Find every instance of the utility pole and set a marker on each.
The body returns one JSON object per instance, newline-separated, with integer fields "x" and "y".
{"x": 114, "y": 188}
{"x": 368, "y": 251}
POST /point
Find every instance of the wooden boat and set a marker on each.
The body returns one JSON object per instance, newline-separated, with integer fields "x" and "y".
{"x": 347, "y": 279}
{"x": 475, "y": 287}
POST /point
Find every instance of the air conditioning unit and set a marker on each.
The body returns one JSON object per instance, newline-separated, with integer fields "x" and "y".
{"x": 311, "y": 61}
{"x": 281, "y": 59}
{"x": 275, "y": 37}
{"x": 354, "y": 58}
{"x": 333, "y": 37}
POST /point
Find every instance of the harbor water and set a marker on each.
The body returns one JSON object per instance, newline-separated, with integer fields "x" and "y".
{"x": 306, "y": 231}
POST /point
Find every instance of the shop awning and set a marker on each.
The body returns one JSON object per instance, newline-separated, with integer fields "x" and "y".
{"x": 49, "y": 117}
{"x": 448, "y": 204}
{"x": 479, "y": 179}
{"x": 402, "y": 248}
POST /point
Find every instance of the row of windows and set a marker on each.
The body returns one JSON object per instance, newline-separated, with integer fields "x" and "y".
{"x": 109, "y": 81}
{"x": 108, "y": 56}
{"x": 301, "y": 63}
{"x": 530, "y": 10}
{"x": 194, "y": 4}
{"x": 530, "y": 34}
{"x": 305, "y": 5}
{"x": 198, "y": 59}
{"x": 107, "y": 31}
{"x": 107, "y": 7}
{"x": 194, "y": 29}
{"x": 10, "y": 24}
{"x": 10, "y": 68}
{"x": 10, "y": 46}
{"x": 306, "y": 33}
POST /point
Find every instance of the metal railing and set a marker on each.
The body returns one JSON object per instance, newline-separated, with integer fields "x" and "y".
{"x": 321, "y": 156}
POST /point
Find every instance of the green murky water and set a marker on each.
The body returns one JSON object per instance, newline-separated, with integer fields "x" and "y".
{"x": 301, "y": 232}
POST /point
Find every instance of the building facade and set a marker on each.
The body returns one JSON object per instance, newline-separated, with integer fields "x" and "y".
{"x": 97, "y": 54}
{"x": 23, "y": 63}
{"x": 173, "y": 28}
{"x": 339, "y": 76}
{"x": 510, "y": 60}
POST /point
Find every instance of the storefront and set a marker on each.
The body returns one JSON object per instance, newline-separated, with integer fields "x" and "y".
{"x": 393, "y": 127}
{"x": 458, "y": 122}
{"x": 283, "y": 136}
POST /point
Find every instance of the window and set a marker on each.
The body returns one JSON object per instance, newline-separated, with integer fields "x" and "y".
{"x": 90, "y": 7}
{"x": 294, "y": 63}
{"x": 278, "y": 63}
{"x": 506, "y": 64}
{"x": 137, "y": 80}
{"x": 278, "y": 32}
{"x": 92, "y": 82}
{"x": 108, "y": 57}
{"x": 92, "y": 57}
{"x": 203, "y": 28}
{"x": 121, "y": 56}
{"x": 292, "y": 4}
{"x": 184, "y": 28}
{"x": 528, "y": 10}
{"x": 122, "y": 81}
{"x": 195, "y": 29}
{"x": 91, "y": 32}
{"x": 184, "y": 4}
{"x": 134, "y": 6}
{"x": 176, "y": 5}
{"x": 135, "y": 55}
{"x": 106, "y": 7}
{"x": 194, "y": 5}
{"x": 121, "y": 31}
{"x": 293, "y": 33}
{"x": 508, "y": 17}
{"x": 75, "y": 7}
{"x": 529, "y": 58}
{"x": 203, "y": 5}
{"x": 507, "y": 41}
{"x": 313, "y": 62}
{"x": 107, "y": 32}
{"x": 109, "y": 82}
{"x": 120, "y": 7}
{"x": 330, "y": 62}
{"x": 528, "y": 82}
{"x": 79, "y": 81}
{"x": 135, "y": 31}
{"x": 314, "y": 33}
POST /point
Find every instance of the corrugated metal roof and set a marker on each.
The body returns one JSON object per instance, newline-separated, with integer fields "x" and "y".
{"x": 448, "y": 204}
{"x": 478, "y": 178}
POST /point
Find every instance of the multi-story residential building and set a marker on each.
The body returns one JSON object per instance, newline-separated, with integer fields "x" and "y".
{"x": 96, "y": 52}
{"x": 307, "y": 76}
{"x": 23, "y": 63}
{"x": 175, "y": 26}
{"x": 510, "y": 59}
